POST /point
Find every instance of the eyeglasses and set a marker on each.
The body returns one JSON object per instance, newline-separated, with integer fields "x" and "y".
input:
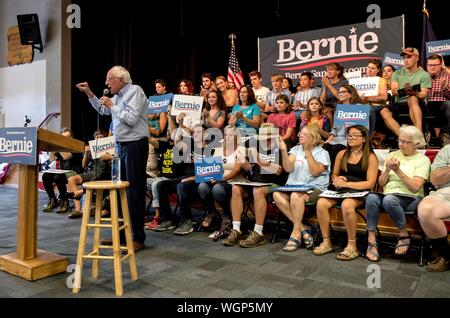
{"x": 342, "y": 92}
{"x": 353, "y": 136}
{"x": 404, "y": 142}
{"x": 433, "y": 65}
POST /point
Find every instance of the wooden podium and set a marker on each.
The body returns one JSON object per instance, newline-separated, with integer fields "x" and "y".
{"x": 28, "y": 262}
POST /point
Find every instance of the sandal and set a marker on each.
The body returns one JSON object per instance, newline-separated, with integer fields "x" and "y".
{"x": 403, "y": 241}
{"x": 292, "y": 244}
{"x": 71, "y": 195}
{"x": 307, "y": 238}
{"x": 347, "y": 255}
{"x": 322, "y": 249}
{"x": 371, "y": 248}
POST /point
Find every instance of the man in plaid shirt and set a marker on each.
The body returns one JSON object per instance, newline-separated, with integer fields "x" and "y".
{"x": 439, "y": 94}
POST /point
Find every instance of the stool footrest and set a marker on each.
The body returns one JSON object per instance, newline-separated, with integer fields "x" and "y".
{"x": 93, "y": 225}
{"x": 111, "y": 247}
{"x": 109, "y": 219}
{"x": 98, "y": 257}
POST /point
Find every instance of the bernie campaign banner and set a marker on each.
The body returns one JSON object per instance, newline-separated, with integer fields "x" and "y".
{"x": 349, "y": 115}
{"x": 207, "y": 169}
{"x": 350, "y": 45}
{"x": 159, "y": 103}
{"x": 102, "y": 146}
{"x": 188, "y": 104}
{"x": 438, "y": 47}
{"x": 18, "y": 145}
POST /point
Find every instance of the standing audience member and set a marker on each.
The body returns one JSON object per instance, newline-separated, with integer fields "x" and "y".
{"x": 435, "y": 208}
{"x": 305, "y": 92}
{"x": 259, "y": 90}
{"x": 128, "y": 108}
{"x": 230, "y": 95}
{"x": 404, "y": 173}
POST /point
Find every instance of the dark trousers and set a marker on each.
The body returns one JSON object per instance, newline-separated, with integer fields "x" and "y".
{"x": 187, "y": 192}
{"x": 60, "y": 179}
{"x": 164, "y": 188}
{"x": 133, "y": 160}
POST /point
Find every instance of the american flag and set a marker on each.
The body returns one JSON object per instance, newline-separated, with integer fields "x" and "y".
{"x": 234, "y": 72}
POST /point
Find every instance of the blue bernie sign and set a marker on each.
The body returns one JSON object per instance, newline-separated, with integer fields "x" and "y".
{"x": 349, "y": 115}
{"x": 394, "y": 59}
{"x": 159, "y": 103}
{"x": 438, "y": 47}
{"x": 207, "y": 169}
{"x": 18, "y": 145}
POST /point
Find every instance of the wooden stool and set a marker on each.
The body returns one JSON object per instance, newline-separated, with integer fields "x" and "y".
{"x": 111, "y": 222}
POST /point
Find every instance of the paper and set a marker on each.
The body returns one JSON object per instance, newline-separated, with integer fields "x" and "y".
{"x": 249, "y": 183}
{"x": 296, "y": 188}
{"x": 340, "y": 195}
{"x": 56, "y": 171}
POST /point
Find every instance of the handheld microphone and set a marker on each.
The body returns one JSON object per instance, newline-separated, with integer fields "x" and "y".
{"x": 105, "y": 92}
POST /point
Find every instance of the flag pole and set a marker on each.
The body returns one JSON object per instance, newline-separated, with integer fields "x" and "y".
{"x": 232, "y": 37}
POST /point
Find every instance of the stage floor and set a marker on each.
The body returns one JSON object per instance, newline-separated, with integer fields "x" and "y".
{"x": 195, "y": 266}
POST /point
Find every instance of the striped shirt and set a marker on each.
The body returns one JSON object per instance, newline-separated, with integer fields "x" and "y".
{"x": 303, "y": 96}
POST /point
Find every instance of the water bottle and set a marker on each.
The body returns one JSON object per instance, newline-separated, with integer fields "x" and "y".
{"x": 115, "y": 168}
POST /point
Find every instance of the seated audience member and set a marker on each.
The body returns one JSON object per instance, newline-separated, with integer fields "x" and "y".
{"x": 186, "y": 151}
{"x": 306, "y": 163}
{"x": 214, "y": 111}
{"x": 435, "y": 208}
{"x": 287, "y": 85}
{"x": 260, "y": 91}
{"x": 404, "y": 173}
{"x": 170, "y": 170}
{"x": 405, "y": 78}
{"x": 101, "y": 170}
{"x": 439, "y": 94}
{"x": 314, "y": 116}
{"x": 331, "y": 83}
{"x": 277, "y": 81}
{"x": 233, "y": 157}
{"x": 355, "y": 170}
{"x": 305, "y": 92}
{"x": 378, "y": 101}
{"x": 246, "y": 115}
{"x": 266, "y": 169}
{"x": 208, "y": 85}
{"x": 284, "y": 119}
{"x": 230, "y": 95}
{"x": 67, "y": 161}
{"x": 337, "y": 139}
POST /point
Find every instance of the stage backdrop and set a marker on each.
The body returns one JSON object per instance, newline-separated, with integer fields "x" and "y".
{"x": 350, "y": 45}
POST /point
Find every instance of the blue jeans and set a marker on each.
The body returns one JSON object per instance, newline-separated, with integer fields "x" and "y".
{"x": 396, "y": 205}
{"x": 204, "y": 191}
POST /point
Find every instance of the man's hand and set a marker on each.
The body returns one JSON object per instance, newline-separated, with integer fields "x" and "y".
{"x": 106, "y": 101}
{"x": 84, "y": 87}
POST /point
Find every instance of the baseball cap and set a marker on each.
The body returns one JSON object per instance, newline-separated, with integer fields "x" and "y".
{"x": 410, "y": 51}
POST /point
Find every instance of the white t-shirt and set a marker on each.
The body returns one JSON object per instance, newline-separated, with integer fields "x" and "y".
{"x": 261, "y": 93}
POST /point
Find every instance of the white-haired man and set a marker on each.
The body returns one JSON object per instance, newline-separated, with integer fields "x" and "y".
{"x": 128, "y": 108}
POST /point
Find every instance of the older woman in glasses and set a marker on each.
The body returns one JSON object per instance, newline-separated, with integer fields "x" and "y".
{"x": 404, "y": 173}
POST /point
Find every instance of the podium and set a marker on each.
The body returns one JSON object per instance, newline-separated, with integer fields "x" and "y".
{"x": 28, "y": 261}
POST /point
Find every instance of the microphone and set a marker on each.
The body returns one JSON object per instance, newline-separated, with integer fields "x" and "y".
{"x": 106, "y": 92}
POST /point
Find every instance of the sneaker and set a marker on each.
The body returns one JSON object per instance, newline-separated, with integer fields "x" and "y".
{"x": 164, "y": 226}
{"x": 153, "y": 224}
{"x": 253, "y": 240}
{"x": 64, "y": 207}
{"x": 52, "y": 203}
{"x": 232, "y": 239}
{"x": 185, "y": 227}
{"x": 439, "y": 264}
